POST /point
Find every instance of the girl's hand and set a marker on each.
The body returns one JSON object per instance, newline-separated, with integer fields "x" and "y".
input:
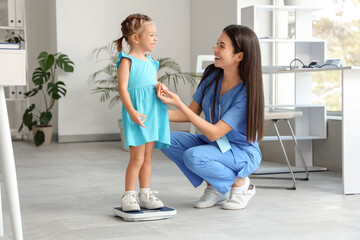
{"x": 138, "y": 118}
{"x": 169, "y": 97}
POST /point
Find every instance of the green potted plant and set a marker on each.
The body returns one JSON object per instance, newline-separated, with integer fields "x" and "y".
{"x": 106, "y": 82}
{"x": 13, "y": 37}
{"x": 44, "y": 79}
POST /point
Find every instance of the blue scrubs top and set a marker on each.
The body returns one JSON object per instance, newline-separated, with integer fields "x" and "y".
{"x": 233, "y": 112}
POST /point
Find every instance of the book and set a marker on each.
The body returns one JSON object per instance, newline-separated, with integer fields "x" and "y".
{"x": 5, "y": 45}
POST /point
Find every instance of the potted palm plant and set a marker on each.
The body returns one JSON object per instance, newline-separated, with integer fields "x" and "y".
{"x": 44, "y": 79}
{"x": 106, "y": 82}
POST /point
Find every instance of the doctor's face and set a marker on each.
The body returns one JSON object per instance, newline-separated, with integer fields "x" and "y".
{"x": 224, "y": 53}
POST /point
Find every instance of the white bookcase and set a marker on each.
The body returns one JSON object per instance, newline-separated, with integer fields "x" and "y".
{"x": 285, "y": 34}
{"x": 12, "y": 19}
{"x": 284, "y": 29}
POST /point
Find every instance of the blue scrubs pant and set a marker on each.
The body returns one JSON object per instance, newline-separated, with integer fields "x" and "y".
{"x": 201, "y": 160}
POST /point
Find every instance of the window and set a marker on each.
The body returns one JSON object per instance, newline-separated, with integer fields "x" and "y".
{"x": 339, "y": 25}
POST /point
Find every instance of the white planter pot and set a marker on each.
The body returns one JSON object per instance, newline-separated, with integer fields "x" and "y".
{"x": 122, "y": 146}
{"x": 48, "y": 131}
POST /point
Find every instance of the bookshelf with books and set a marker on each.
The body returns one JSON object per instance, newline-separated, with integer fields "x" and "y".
{"x": 12, "y": 38}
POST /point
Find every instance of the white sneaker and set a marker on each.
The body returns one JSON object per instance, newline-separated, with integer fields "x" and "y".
{"x": 149, "y": 201}
{"x": 211, "y": 197}
{"x": 239, "y": 199}
{"x": 129, "y": 202}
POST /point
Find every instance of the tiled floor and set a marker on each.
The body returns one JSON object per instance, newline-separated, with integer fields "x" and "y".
{"x": 67, "y": 191}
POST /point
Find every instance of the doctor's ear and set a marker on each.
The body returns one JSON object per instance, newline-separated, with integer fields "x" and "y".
{"x": 239, "y": 56}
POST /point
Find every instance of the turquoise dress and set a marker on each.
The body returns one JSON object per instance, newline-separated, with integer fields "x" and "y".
{"x": 142, "y": 79}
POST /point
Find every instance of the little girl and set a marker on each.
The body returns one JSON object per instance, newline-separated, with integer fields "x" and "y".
{"x": 144, "y": 117}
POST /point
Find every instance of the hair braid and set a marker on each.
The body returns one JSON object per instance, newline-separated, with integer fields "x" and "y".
{"x": 130, "y": 26}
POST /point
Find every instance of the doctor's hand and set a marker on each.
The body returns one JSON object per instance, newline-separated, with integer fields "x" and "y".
{"x": 138, "y": 118}
{"x": 169, "y": 97}
{"x": 160, "y": 87}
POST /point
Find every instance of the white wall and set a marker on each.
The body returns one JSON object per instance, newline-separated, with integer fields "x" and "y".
{"x": 208, "y": 19}
{"x": 84, "y": 25}
{"x": 185, "y": 29}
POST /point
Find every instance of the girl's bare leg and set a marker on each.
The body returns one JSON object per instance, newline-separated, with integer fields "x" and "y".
{"x": 145, "y": 171}
{"x": 136, "y": 162}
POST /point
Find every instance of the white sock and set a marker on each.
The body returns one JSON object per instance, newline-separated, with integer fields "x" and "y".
{"x": 243, "y": 187}
{"x": 144, "y": 190}
{"x": 128, "y": 192}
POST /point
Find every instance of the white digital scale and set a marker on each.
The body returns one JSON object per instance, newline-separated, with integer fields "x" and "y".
{"x": 145, "y": 214}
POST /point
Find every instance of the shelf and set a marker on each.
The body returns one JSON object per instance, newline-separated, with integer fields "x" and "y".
{"x": 11, "y": 28}
{"x": 272, "y": 167}
{"x": 287, "y": 138}
{"x": 305, "y": 70}
{"x": 15, "y": 100}
{"x": 289, "y": 40}
{"x": 311, "y": 125}
{"x": 287, "y": 8}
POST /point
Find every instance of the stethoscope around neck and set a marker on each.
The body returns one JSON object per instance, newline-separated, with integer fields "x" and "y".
{"x": 219, "y": 103}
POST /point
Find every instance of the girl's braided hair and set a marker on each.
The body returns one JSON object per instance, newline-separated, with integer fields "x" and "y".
{"x": 130, "y": 26}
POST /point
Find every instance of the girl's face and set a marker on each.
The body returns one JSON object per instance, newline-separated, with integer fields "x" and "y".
{"x": 224, "y": 53}
{"x": 147, "y": 36}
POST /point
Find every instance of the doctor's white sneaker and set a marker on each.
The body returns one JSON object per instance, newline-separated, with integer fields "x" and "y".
{"x": 211, "y": 197}
{"x": 129, "y": 202}
{"x": 149, "y": 201}
{"x": 239, "y": 199}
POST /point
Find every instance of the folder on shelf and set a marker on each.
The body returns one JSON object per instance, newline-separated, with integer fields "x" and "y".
{"x": 20, "y": 90}
{"x": 5, "y": 45}
{"x": 11, "y": 92}
{"x": 11, "y": 13}
{"x": 19, "y": 13}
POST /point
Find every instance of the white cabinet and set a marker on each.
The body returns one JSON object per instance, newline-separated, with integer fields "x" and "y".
{"x": 14, "y": 74}
{"x": 12, "y": 25}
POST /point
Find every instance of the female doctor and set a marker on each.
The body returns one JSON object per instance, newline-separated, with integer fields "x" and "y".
{"x": 231, "y": 96}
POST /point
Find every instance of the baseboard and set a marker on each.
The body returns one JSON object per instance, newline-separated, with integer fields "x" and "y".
{"x": 89, "y": 138}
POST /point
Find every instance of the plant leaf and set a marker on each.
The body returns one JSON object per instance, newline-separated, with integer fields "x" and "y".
{"x": 56, "y": 90}
{"x": 40, "y": 76}
{"x": 39, "y": 138}
{"x": 65, "y": 63}
{"x": 169, "y": 63}
{"x": 28, "y": 118}
{"x": 45, "y": 118}
{"x": 46, "y": 61}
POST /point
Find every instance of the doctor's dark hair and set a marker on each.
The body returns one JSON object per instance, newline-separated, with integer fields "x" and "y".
{"x": 130, "y": 26}
{"x": 245, "y": 40}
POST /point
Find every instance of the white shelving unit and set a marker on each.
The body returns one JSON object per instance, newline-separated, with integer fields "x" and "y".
{"x": 12, "y": 19}
{"x": 286, "y": 28}
{"x": 311, "y": 125}
{"x": 285, "y": 34}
